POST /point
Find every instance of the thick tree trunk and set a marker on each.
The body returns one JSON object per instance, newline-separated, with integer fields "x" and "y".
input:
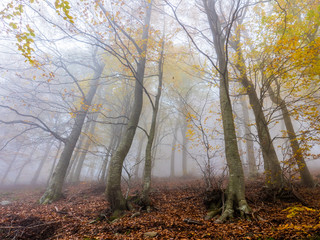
{"x": 145, "y": 199}
{"x": 43, "y": 160}
{"x": 274, "y": 178}
{"x": 113, "y": 189}
{"x": 236, "y": 187}
{"x": 54, "y": 188}
{"x": 306, "y": 177}
{"x": 252, "y": 166}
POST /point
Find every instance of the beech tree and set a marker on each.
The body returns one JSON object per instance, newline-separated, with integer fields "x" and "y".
{"x": 151, "y": 137}
{"x": 54, "y": 189}
{"x": 220, "y": 35}
{"x": 285, "y": 71}
{"x": 252, "y": 166}
{"x": 272, "y": 167}
{"x": 113, "y": 189}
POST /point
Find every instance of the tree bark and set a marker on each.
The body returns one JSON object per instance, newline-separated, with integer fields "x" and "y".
{"x": 148, "y": 157}
{"x": 252, "y": 166}
{"x": 306, "y": 178}
{"x": 54, "y": 162}
{"x": 76, "y": 175}
{"x": 236, "y": 187}
{"x": 54, "y": 188}
{"x": 113, "y": 189}
{"x": 105, "y": 162}
{"x": 76, "y": 152}
{"x": 274, "y": 177}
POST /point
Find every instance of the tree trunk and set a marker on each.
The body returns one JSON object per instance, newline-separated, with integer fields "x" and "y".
{"x": 173, "y": 152}
{"x": 54, "y": 162}
{"x": 54, "y": 188}
{"x": 253, "y": 170}
{"x": 274, "y": 178}
{"x": 236, "y": 188}
{"x": 156, "y": 142}
{"x": 184, "y": 148}
{"x": 145, "y": 199}
{"x": 10, "y": 165}
{"x": 76, "y": 174}
{"x": 33, "y": 151}
{"x": 102, "y": 177}
{"x": 75, "y": 155}
{"x": 306, "y": 177}
{"x": 138, "y": 159}
{"x": 43, "y": 160}
{"x": 113, "y": 189}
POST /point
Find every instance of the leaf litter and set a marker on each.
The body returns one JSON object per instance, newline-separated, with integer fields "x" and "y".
{"x": 178, "y": 211}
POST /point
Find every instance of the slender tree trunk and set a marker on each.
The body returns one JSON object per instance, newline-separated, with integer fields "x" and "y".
{"x": 76, "y": 152}
{"x": 54, "y": 188}
{"x": 274, "y": 178}
{"x": 252, "y": 166}
{"x": 306, "y": 177}
{"x": 173, "y": 152}
{"x": 54, "y": 161}
{"x": 76, "y": 174}
{"x": 155, "y": 145}
{"x": 33, "y": 151}
{"x": 236, "y": 186}
{"x": 10, "y": 165}
{"x": 113, "y": 189}
{"x": 148, "y": 159}
{"x": 138, "y": 159}
{"x": 43, "y": 160}
{"x": 102, "y": 177}
{"x": 184, "y": 148}
{"x": 73, "y": 161}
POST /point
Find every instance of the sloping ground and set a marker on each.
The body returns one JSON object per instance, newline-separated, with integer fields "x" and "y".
{"x": 178, "y": 213}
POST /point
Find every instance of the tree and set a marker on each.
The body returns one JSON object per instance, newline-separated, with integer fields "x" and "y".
{"x": 54, "y": 188}
{"x": 41, "y": 164}
{"x": 287, "y": 65}
{"x": 76, "y": 174}
{"x": 173, "y": 151}
{"x": 272, "y": 167}
{"x": 253, "y": 171}
{"x": 145, "y": 199}
{"x": 303, "y": 169}
{"x": 113, "y": 189}
{"x": 235, "y": 190}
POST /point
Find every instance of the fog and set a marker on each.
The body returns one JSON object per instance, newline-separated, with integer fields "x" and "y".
{"x": 48, "y": 72}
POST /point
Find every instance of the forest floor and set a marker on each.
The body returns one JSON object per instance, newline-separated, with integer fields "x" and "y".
{"x": 178, "y": 213}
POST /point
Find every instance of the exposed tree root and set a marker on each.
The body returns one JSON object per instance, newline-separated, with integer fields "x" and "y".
{"x": 226, "y": 209}
{"x": 213, "y": 201}
{"x": 50, "y": 196}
